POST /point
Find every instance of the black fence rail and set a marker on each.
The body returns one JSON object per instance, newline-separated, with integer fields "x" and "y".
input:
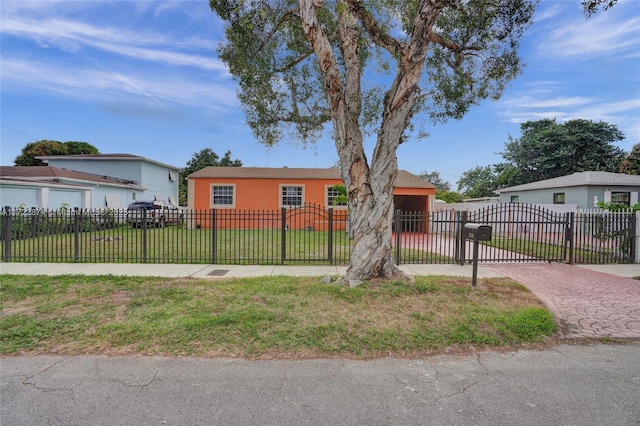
{"x": 306, "y": 234}
{"x": 604, "y": 237}
{"x": 309, "y": 234}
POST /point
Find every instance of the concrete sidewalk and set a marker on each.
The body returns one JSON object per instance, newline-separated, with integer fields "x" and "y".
{"x": 238, "y": 271}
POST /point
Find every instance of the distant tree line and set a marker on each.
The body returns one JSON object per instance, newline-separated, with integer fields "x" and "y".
{"x": 546, "y": 149}
{"x": 45, "y": 147}
{"x": 200, "y": 160}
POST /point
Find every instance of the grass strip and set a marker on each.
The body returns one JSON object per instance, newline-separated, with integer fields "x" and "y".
{"x": 264, "y": 318}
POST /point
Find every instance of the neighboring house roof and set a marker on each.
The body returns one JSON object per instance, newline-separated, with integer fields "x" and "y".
{"x": 105, "y": 157}
{"x": 56, "y": 175}
{"x": 578, "y": 179}
{"x": 405, "y": 179}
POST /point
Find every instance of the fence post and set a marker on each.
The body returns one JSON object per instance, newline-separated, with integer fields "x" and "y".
{"x": 636, "y": 238}
{"x": 214, "y": 237}
{"x": 7, "y": 234}
{"x": 461, "y": 244}
{"x": 283, "y": 219}
{"x": 398, "y": 226}
{"x": 144, "y": 235}
{"x": 570, "y": 226}
{"x": 76, "y": 235}
{"x": 330, "y": 236}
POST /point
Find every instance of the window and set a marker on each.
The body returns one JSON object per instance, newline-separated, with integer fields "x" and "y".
{"x": 558, "y": 198}
{"x": 621, "y": 198}
{"x": 331, "y": 195}
{"x": 172, "y": 176}
{"x": 291, "y": 196}
{"x": 223, "y": 196}
{"x": 514, "y": 198}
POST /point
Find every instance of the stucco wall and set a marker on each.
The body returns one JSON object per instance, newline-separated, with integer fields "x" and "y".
{"x": 153, "y": 177}
{"x": 582, "y": 196}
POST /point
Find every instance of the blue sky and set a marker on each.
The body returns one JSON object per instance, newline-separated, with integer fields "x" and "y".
{"x": 142, "y": 77}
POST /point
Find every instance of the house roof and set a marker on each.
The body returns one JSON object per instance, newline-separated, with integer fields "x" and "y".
{"x": 104, "y": 157}
{"x": 578, "y": 179}
{"x": 56, "y": 174}
{"x": 405, "y": 179}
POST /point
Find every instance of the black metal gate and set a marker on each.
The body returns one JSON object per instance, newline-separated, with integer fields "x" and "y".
{"x": 520, "y": 233}
{"x": 314, "y": 234}
{"x": 530, "y": 233}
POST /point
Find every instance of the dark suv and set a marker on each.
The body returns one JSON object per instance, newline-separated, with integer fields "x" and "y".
{"x": 157, "y": 213}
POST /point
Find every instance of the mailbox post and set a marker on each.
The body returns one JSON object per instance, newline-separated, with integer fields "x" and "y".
{"x": 477, "y": 233}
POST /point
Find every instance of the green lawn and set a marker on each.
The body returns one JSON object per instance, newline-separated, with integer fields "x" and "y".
{"x": 271, "y": 317}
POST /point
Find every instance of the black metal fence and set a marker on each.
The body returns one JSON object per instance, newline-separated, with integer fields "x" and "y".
{"x": 311, "y": 234}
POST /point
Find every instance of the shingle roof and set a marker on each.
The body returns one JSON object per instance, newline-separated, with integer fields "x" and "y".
{"x": 101, "y": 157}
{"x": 578, "y": 179}
{"x": 405, "y": 179}
{"x": 48, "y": 173}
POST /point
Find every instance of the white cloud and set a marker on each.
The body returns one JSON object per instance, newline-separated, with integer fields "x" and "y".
{"x": 72, "y": 37}
{"x": 610, "y": 33}
{"x": 109, "y": 84}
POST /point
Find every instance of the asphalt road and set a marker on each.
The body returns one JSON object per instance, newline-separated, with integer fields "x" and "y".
{"x": 577, "y": 384}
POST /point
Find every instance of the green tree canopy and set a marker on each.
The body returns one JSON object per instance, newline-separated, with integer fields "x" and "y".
{"x": 547, "y": 149}
{"x": 200, "y": 160}
{"x": 32, "y": 150}
{"x": 631, "y": 163}
{"x": 302, "y": 63}
{"x": 435, "y": 179}
{"x": 478, "y": 182}
{"x": 449, "y": 196}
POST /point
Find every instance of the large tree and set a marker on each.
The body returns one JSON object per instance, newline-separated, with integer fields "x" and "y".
{"x": 435, "y": 179}
{"x": 547, "y": 149}
{"x": 478, "y": 182}
{"x": 200, "y": 160}
{"x": 303, "y": 63}
{"x": 32, "y": 150}
{"x": 631, "y": 163}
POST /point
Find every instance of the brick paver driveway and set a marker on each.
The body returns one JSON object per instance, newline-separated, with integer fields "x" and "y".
{"x": 585, "y": 303}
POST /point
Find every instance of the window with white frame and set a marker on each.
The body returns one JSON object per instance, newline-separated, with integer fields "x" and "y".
{"x": 291, "y": 195}
{"x": 334, "y": 198}
{"x": 223, "y": 196}
{"x": 621, "y": 198}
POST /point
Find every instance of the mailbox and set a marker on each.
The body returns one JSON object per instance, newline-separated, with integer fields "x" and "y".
{"x": 477, "y": 232}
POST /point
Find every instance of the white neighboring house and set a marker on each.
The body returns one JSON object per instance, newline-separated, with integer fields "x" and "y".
{"x": 583, "y": 189}
{"x": 46, "y": 187}
{"x": 89, "y": 181}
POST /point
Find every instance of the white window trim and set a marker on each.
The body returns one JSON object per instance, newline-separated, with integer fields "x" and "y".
{"x": 285, "y": 185}
{"x": 326, "y": 199}
{"x": 222, "y": 206}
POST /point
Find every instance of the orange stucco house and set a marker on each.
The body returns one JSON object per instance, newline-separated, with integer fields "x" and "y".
{"x": 261, "y": 188}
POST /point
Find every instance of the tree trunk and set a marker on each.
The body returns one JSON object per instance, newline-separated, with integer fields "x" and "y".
{"x": 369, "y": 189}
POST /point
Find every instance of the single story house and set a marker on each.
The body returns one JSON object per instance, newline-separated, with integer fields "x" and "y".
{"x": 155, "y": 180}
{"x": 583, "y": 189}
{"x": 46, "y": 187}
{"x": 260, "y": 188}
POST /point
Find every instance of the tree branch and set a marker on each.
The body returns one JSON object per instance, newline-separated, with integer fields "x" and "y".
{"x": 378, "y": 36}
